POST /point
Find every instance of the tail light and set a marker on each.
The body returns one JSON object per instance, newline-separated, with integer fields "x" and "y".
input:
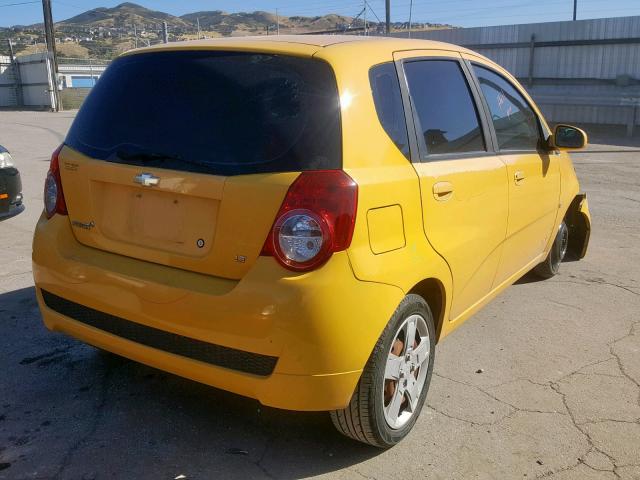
{"x": 53, "y": 194}
{"x": 316, "y": 219}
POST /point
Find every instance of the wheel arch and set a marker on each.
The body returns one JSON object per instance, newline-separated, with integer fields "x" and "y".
{"x": 433, "y": 292}
{"x": 579, "y": 222}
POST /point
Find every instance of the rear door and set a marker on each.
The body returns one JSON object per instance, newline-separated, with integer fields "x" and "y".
{"x": 534, "y": 176}
{"x": 183, "y": 157}
{"x": 463, "y": 183}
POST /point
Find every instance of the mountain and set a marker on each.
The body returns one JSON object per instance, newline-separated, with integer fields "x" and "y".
{"x": 124, "y": 15}
{"x": 128, "y": 14}
{"x": 257, "y": 22}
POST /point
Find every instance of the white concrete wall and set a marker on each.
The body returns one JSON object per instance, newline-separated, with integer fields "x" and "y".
{"x": 34, "y": 74}
{"x": 7, "y": 89}
{"x": 35, "y": 80}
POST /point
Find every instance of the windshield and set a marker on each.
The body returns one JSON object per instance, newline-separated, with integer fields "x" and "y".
{"x": 223, "y": 113}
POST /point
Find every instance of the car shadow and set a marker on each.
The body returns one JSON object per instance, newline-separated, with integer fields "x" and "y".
{"x": 71, "y": 411}
{"x": 528, "y": 277}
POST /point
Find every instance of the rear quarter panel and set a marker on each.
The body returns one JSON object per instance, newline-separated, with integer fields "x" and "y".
{"x": 385, "y": 177}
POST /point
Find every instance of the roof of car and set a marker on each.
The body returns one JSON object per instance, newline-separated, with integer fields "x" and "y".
{"x": 317, "y": 41}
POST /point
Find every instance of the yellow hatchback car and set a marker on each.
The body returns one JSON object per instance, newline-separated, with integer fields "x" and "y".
{"x": 300, "y": 219}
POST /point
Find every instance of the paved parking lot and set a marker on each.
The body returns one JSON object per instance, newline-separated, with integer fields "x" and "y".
{"x": 558, "y": 394}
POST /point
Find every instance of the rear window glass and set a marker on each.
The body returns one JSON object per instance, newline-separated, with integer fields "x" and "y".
{"x": 388, "y": 100}
{"x": 223, "y": 113}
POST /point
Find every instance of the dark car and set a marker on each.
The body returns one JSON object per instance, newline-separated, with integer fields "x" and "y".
{"x": 10, "y": 187}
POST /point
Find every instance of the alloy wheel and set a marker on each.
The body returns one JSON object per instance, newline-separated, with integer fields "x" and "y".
{"x": 406, "y": 371}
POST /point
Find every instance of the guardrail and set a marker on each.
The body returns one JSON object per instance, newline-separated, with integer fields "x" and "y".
{"x": 83, "y": 61}
{"x": 630, "y": 104}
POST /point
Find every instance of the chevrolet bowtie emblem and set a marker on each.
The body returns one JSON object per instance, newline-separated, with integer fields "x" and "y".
{"x": 146, "y": 179}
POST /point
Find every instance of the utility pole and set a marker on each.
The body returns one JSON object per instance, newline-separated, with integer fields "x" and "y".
{"x": 165, "y": 33}
{"x": 51, "y": 50}
{"x": 387, "y": 5}
{"x": 277, "y": 23}
{"x": 198, "y": 22}
{"x": 575, "y": 9}
{"x": 410, "y": 13}
{"x": 365, "y": 18}
{"x": 135, "y": 36}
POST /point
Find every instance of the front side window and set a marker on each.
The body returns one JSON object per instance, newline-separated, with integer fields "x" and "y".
{"x": 446, "y": 111}
{"x": 388, "y": 101}
{"x": 514, "y": 121}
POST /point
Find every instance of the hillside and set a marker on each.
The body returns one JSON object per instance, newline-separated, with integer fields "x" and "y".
{"x": 128, "y": 14}
{"x": 124, "y": 15}
{"x": 257, "y": 22}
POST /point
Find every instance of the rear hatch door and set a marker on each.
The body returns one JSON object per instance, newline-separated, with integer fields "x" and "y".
{"x": 183, "y": 157}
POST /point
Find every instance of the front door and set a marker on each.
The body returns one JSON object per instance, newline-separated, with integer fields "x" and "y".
{"x": 534, "y": 177}
{"x": 463, "y": 183}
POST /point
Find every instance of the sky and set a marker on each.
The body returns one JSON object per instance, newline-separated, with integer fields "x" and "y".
{"x": 464, "y": 13}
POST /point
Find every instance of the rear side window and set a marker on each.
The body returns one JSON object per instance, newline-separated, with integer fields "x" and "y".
{"x": 446, "y": 111}
{"x": 385, "y": 87}
{"x": 224, "y": 113}
{"x": 514, "y": 121}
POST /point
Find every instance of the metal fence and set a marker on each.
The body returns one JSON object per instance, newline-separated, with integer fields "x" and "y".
{"x": 585, "y": 71}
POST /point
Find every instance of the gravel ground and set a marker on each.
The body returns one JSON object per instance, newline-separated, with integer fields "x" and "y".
{"x": 558, "y": 396}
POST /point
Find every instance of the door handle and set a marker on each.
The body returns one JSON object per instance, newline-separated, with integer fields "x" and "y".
{"x": 518, "y": 177}
{"x": 442, "y": 191}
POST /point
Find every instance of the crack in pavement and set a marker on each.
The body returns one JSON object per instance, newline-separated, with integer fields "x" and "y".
{"x": 605, "y": 420}
{"x": 598, "y": 281}
{"x": 555, "y": 386}
{"x": 591, "y": 374}
{"x": 573, "y": 466}
{"x": 578, "y": 427}
{"x": 453, "y": 417}
{"x": 566, "y": 305}
{"x": 499, "y": 419}
{"x": 490, "y": 395}
{"x": 99, "y": 411}
{"x": 619, "y": 360}
{"x": 584, "y": 460}
{"x": 258, "y": 463}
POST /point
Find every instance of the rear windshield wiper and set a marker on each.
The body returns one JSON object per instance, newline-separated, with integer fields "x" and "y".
{"x": 139, "y": 156}
{"x": 145, "y": 157}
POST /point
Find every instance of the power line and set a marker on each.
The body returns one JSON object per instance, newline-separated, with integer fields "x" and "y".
{"x": 372, "y": 11}
{"x": 19, "y": 3}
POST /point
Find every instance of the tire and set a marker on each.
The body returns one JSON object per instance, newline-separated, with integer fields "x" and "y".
{"x": 369, "y": 417}
{"x": 551, "y": 264}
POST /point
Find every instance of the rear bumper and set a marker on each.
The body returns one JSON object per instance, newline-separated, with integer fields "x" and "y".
{"x": 318, "y": 329}
{"x": 11, "y": 211}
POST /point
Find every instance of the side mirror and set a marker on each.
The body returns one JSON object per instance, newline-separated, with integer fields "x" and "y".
{"x": 566, "y": 137}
